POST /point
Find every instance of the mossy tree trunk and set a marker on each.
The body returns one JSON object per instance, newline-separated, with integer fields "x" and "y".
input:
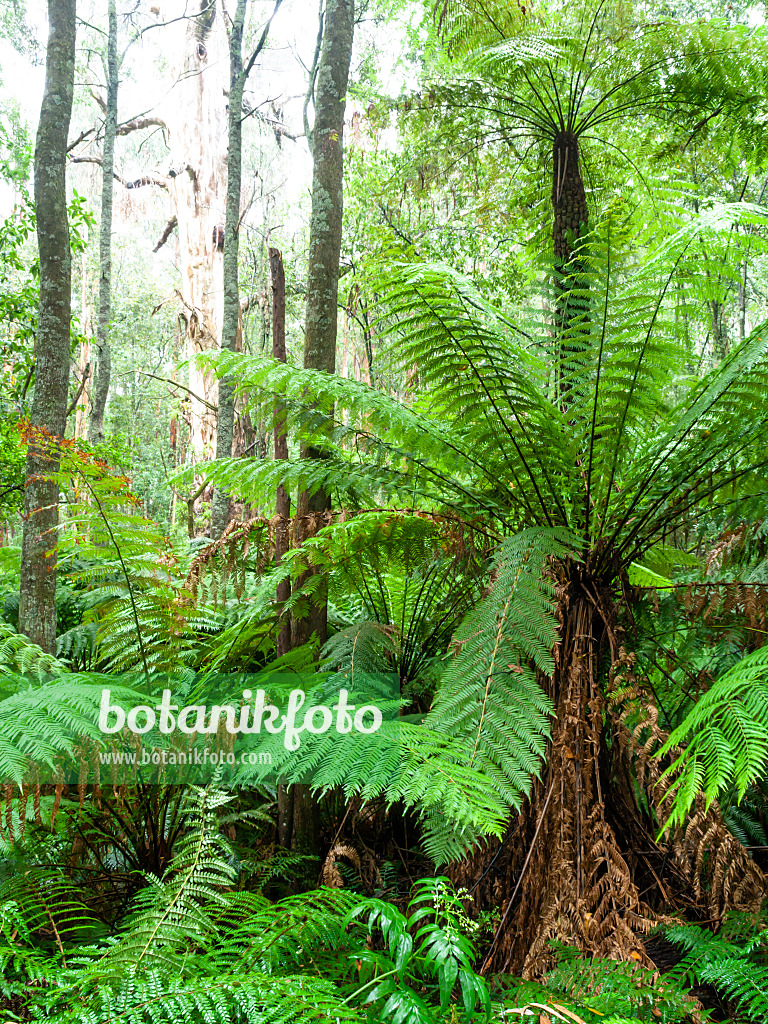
{"x": 327, "y": 144}
{"x": 230, "y": 324}
{"x": 324, "y": 248}
{"x": 102, "y": 368}
{"x": 225, "y": 420}
{"x": 282, "y": 498}
{"x": 37, "y": 608}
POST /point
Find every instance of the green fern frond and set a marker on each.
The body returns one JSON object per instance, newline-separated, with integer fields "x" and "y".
{"x": 725, "y": 737}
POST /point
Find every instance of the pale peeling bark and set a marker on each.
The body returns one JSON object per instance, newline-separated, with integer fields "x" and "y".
{"x": 37, "y": 608}
{"x": 102, "y": 358}
{"x": 325, "y": 244}
{"x": 198, "y": 127}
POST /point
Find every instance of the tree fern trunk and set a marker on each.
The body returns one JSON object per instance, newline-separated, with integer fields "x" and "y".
{"x": 37, "y": 606}
{"x": 570, "y": 223}
{"x": 568, "y": 876}
{"x": 569, "y": 200}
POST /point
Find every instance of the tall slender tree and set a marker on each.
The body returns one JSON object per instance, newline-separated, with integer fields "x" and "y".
{"x": 238, "y": 76}
{"x": 37, "y": 607}
{"x": 326, "y": 141}
{"x": 102, "y": 368}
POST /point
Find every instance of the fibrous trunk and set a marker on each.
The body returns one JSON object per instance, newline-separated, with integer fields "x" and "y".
{"x": 570, "y": 222}
{"x": 569, "y": 200}
{"x": 577, "y": 887}
{"x": 582, "y": 863}
{"x": 37, "y": 606}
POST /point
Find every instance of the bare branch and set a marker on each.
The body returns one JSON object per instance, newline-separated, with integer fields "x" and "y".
{"x": 138, "y": 123}
{"x": 310, "y": 96}
{"x": 262, "y": 40}
{"x": 166, "y": 234}
{"x": 80, "y": 389}
{"x": 80, "y": 138}
{"x": 147, "y": 179}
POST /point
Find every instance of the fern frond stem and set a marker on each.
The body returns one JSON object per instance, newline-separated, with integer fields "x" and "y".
{"x": 125, "y": 574}
{"x": 553, "y": 98}
{"x": 511, "y": 436}
{"x": 423, "y": 607}
{"x": 520, "y": 878}
{"x": 51, "y": 921}
{"x": 261, "y": 950}
{"x": 372, "y": 603}
{"x": 544, "y": 109}
{"x": 647, "y": 69}
{"x": 404, "y": 603}
{"x": 556, "y": 95}
{"x": 371, "y": 599}
{"x": 661, "y": 525}
{"x": 597, "y": 390}
{"x": 625, "y": 413}
{"x": 448, "y": 482}
{"x": 720, "y": 505}
{"x": 489, "y": 396}
{"x": 625, "y": 156}
{"x": 180, "y": 889}
{"x": 574, "y": 104}
{"x": 489, "y": 678}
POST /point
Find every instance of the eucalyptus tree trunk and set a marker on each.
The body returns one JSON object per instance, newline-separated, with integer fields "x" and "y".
{"x": 100, "y": 386}
{"x": 37, "y": 607}
{"x": 324, "y": 249}
{"x": 198, "y": 129}
{"x": 225, "y": 422}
